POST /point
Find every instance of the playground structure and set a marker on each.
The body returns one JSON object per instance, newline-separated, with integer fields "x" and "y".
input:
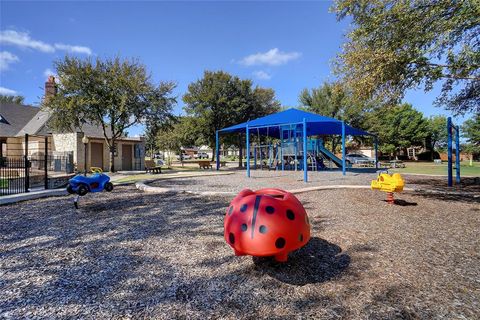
{"x": 389, "y": 184}
{"x": 287, "y": 153}
{"x": 296, "y": 131}
{"x": 266, "y": 222}
{"x": 453, "y": 130}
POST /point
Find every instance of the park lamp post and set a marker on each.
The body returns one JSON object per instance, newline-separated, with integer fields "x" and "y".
{"x": 85, "y": 141}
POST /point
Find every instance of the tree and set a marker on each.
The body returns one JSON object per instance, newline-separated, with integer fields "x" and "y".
{"x": 334, "y": 100}
{"x": 11, "y": 99}
{"x": 113, "y": 93}
{"x": 437, "y": 132}
{"x": 220, "y": 99}
{"x": 160, "y": 115}
{"x": 398, "y": 127}
{"x": 177, "y": 133}
{"x": 253, "y": 103}
{"x": 399, "y": 45}
{"x": 471, "y": 131}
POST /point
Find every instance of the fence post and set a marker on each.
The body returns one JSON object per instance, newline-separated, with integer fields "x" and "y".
{"x": 46, "y": 163}
{"x": 27, "y": 171}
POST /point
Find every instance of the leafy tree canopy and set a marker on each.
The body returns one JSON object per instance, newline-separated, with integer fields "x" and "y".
{"x": 113, "y": 93}
{"x": 219, "y": 100}
{"x": 399, "y": 45}
{"x": 437, "y": 127}
{"x": 12, "y": 99}
{"x": 471, "y": 130}
{"x": 398, "y": 127}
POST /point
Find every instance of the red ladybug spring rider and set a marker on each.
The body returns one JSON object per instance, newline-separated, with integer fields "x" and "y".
{"x": 267, "y": 222}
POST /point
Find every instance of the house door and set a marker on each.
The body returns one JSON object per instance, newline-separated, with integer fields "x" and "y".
{"x": 127, "y": 157}
{"x": 97, "y": 154}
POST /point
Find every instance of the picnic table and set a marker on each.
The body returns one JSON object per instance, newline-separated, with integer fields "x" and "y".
{"x": 151, "y": 166}
{"x": 204, "y": 164}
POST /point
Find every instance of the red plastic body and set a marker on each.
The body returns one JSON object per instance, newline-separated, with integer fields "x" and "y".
{"x": 267, "y": 222}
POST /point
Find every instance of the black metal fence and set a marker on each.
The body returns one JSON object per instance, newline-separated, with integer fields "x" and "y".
{"x": 13, "y": 175}
{"x": 21, "y": 174}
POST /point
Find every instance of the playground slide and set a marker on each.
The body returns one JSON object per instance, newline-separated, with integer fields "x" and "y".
{"x": 329, "y": 155}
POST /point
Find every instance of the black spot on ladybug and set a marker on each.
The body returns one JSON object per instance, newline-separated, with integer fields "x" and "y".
{"x": 290, "y": 214}
{"x": 243, "y": 208}
{"x": 230, "y": 210}
{"x": 244, "y": 227}
{"x": 231, "y": 237}
{"x": 280, "y": 243}
{"x": 300, "y": 237}
{"x": 270, "y": 209}
{"x": 262, "y": 229}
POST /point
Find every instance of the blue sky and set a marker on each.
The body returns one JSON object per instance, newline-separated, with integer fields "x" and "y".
{"x": 287, "y": 46}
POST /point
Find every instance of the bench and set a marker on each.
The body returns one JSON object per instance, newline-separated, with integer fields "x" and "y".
{"x": 151, "y": 166}
{"x": 206, "y": 164}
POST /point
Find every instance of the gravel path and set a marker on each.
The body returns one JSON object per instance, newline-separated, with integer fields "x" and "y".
{"x": 128, "y": 254}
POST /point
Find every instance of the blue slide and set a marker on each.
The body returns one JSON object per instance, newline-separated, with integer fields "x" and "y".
{"x": 329, "y": 155}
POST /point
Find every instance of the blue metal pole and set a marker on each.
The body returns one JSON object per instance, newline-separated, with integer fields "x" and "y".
{"x": 217, "y": 150}
{"x": 248, "y": 151}
{"x": 457, "y": 155}
{"x": 376, "y": 152}
{"x": 449, "y": 152}
{"x": 305, "y": 168}
{"x": 344, "y": 152}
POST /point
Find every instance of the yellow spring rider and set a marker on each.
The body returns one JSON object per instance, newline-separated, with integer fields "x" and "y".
{"x": 389, "y": 184}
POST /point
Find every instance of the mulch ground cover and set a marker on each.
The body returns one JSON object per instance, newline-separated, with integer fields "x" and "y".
{"x": 129, "y": 254}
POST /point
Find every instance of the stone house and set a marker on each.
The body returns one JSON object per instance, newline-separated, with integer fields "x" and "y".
{"x": 17, "y": 121}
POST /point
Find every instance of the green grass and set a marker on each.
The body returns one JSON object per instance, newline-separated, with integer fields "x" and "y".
{"x": 439, "y": 169}
{"x": 147, "y": 176}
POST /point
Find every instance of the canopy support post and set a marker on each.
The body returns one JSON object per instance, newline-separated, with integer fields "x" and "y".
{"x": 217, "y": 150}
{"x": 248, "y": 151}
{"x": 449, "y": 166}
{"x": 344, "y": 153}
{"x": 457, "y": 155}
{"x": 305, "y": 168}
{"x": 376, "y": 152}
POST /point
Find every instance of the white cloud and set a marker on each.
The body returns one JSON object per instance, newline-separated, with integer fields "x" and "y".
{"x": 272, "y": 57}
{"x": 74, "y": 49}
{"x": 8, "y": 92}
{"x": 7, "y": 58}
{"x": 23, "y": 40}
{"x": 262, "y": 75}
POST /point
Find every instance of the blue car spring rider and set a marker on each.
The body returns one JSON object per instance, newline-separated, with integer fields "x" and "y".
{"x": 81, "y": 185}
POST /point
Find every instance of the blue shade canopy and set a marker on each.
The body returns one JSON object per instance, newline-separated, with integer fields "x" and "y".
{"x": 316, "y": 124}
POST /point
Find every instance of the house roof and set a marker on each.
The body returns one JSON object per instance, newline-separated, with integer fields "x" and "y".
{"x": 15, "y": 117}
{"x": 17, "y": 120}
{"x": 316, "y": 124}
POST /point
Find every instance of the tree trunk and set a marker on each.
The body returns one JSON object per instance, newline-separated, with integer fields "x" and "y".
{"x": 112, "y": 156}
{"x": 213, "y": 154}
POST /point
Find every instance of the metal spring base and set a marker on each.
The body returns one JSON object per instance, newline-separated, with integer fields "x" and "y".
{"x": 390, "y": 198}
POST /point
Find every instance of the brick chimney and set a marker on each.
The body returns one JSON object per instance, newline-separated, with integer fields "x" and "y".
{"x": 50, "y": 87}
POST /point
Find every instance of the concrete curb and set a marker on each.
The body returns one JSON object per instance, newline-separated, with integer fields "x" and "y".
{"x": 33, "y": 195}
{"x": 143, "y": 186}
